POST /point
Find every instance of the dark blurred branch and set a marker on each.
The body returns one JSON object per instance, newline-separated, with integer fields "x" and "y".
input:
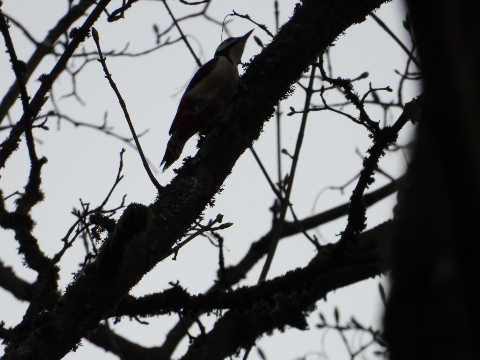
{"x": 119, "y": 13}
{"x": 433, "y": 307}
{"x": 126, "y": 350}
{"x": 19, "y": 288}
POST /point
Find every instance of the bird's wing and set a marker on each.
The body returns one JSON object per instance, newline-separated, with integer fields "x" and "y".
{"x": 189, "y": 104}
{"x": 201, "y": 73}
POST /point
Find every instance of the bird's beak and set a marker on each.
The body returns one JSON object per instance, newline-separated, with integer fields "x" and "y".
{"x": 247, "y": 35}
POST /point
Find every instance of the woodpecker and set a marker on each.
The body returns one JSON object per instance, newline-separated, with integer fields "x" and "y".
{"x": 206, "y": 97}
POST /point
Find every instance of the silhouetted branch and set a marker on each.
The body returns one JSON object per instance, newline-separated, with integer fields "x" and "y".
{"x": 125, "y": 111}
{"x": 119, "y": 13}
{"x": 397, "y": 40}
{"x": 381, "y": 141}
{"x": 184, "y": 38}
{"x": 289, "y": 184}
{"x": 240, "y": 329}
{"x": 44, "y": 48}
{"x": 247, "y": 17}
{"x": 10, "y": 144}
{"x": 18, "y": 287}
{"x": 81, "y": 225}
{"x": 19, "y": 67}
{"x": 194, "y": 3}
{"x": 126, "y": 350}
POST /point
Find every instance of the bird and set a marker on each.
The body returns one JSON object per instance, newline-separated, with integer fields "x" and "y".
{"x": 206, "y": 97}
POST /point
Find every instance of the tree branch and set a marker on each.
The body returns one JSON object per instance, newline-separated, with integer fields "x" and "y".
{"x": 102, "y": 61}
{"x": 313, "y": 27}
{"x": 18, "y": 287}
{"x": 10, "y": 144}
{"x": 233, "y": 274}
{"x": 45, "y": 47}
{"x": 240, "y": 328}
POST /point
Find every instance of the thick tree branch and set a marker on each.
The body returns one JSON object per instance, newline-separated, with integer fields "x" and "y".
{"x": 126, "y": 350}
{"x": 18, "y": 287}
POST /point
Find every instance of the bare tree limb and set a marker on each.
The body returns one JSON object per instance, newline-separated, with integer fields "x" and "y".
{"x": 10, "y": 144}
{"x": 102, "y": 61}
{"x": 18, "y": 287}
{"x": 233, "y": 274}
{"x": 45, "y": 47}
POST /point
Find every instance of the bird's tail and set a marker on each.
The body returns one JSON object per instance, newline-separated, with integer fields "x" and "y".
{"x": 173, "y": 151}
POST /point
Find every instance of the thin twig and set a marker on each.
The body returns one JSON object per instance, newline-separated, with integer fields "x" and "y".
{"x": 124, "y": 108}
{"x": 19, "y": 67}
{"x": 119, "y": 13}
{"x": 116, "y": 182}
{"x": 264, "y": 171}
{"x": 288, "y": 191}
{"x": 278, "y": 112}
{"x": 202, "y": 230}
{"x": 397, "y": 40}
{"x": 194, "y": 3}
{"x": 197, "y": 60}
{"x": 247, "y": 17}
{"x": 10, "y": 144}
{"x": 23, "y": 29}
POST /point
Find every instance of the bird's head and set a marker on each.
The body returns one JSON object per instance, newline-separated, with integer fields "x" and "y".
{"x": 232, "y": 48}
